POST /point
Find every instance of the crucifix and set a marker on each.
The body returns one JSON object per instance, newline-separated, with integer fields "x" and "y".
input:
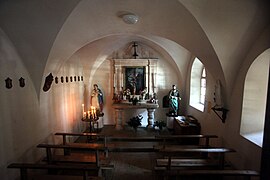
{"x": 135, "y": 53}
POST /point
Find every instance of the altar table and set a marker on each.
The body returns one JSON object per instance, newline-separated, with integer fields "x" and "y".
{"x": 120, "y": 107}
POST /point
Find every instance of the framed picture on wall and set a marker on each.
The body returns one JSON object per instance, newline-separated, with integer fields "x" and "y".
{"x": 135, "y": 79}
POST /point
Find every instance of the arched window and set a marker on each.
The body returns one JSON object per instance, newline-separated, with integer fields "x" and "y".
{"x": 254, "y": 100}
{"x": 197, "y": 85}
{"x": 203, "y": 86}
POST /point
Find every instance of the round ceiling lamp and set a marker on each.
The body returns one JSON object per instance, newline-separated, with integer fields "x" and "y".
{"x": 130, "y": 18}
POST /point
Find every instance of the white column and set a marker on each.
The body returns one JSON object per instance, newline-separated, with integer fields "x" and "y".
{"x": 151, "y": 117}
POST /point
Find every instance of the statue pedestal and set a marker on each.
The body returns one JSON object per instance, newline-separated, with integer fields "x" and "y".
{"x": 170, "y": 120}
{"x": 100, "y": 122}
{"x": 169, "y": 123}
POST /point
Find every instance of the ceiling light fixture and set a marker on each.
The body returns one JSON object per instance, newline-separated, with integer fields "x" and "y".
{"x": 130, "y": 18}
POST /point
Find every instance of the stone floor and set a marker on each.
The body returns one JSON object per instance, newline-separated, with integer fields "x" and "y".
{"x": 138, "y": 166}
{"x": 132, "y": 166}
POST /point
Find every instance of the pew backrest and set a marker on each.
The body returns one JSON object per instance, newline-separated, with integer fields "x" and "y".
{"x": 207, "y": 138}
{"x": 79, "y": 167}
{"x": 50, "y": 156}
{"x": 88, "y": 135}
{"x": 162, "y": 171}
{"x": 176, "y": 151}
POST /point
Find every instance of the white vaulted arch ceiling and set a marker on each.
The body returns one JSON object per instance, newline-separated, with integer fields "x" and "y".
{"x": 169, "y": 28}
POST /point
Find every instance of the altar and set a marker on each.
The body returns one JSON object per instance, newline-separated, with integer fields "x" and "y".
{"x": 120, "y": 107}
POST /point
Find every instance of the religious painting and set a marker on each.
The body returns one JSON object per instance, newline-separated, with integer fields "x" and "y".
{"x": 135, "y": 79}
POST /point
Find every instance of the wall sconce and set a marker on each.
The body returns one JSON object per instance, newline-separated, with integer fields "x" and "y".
{"x": 8, "y": 83}
{"x": 56, "y": 80}
{"x": 223, "y": 110}
{"x": 22, "y": 82}
{"x": 130, "y": 18}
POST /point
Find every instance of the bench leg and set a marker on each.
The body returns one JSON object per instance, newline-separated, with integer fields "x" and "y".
{"x": 66, "y": 152}
{"x": 247, "y": 178}
{"x": 106, "y": 153}
{"x": 85, "y": 175}
{"x": 24, "y": 175}
{"x": 221, "y": 160}
{"x": 49, "y": 155}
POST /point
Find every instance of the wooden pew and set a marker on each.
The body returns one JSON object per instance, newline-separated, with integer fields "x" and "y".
{"x": 166, "y": 174}
{"x": 166, "y": 138}
{"x": 90, "y": 158}
{"x": 124, "y": 144}
{"x": 109, "y": 142}
{"x": 191, "y": 162}
{"x": 24, "y": 175}
{"x": 88, "y": 135}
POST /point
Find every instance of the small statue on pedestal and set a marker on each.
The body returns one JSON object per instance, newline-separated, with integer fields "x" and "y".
{"x": 174, "y": 98}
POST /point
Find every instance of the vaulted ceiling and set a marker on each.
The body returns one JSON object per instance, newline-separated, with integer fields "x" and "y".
{"x": 220, "y": 33}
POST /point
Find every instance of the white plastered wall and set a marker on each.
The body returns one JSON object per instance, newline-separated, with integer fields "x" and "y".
{"x": 21, "y": 125}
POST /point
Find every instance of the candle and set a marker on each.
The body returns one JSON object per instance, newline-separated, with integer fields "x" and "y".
{"x": 91, "y": 109}
{"x": 153, "y": 83}
{"x": 88, "y": 112}
{"x": 114, "y": 80}
{"x": 83, "y": 109}
{"x": 95, "y": 114}
{"x": 122, "y": 80}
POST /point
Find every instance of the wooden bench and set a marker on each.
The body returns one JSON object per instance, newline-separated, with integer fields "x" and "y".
{"x": 186, "y": 162}
{"x": 166, "y": 138}
{"x": 166, "y": 174}
{"x": 109, "y": 142}
{"x": 124, "y": 144}
{"x": 170, "y": 153}
{"x": 90, "y": 158}
{"x": 84, "y": 169}
{"x": 87, "y": 135}
{"x": 90, "y": 136}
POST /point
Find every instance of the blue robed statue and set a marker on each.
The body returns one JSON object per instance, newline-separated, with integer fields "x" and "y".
{"x": 174, "y": 98}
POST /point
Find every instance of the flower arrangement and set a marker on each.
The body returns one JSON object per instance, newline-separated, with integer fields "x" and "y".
{"x": 159, "y": 124}
{"x": 127, "y": 92}
{"x": 135, "y": 121}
